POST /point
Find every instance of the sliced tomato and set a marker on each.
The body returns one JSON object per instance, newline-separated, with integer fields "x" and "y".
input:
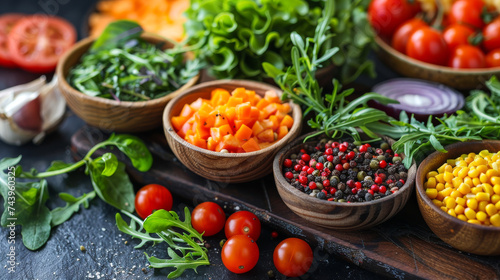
{"x": 7, "y": 21}
{"x": 37, "y": 42}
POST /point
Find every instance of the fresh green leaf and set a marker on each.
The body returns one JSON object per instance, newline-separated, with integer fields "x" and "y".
{"x": 134, "y": 149}
{"x": 110, "y": 164}
{"x": 131, "y": 230}
{"x": 179, "y": 263}
{"x": 116, "y": 33}
{"x": 163, "y": 220}
{"x": 62, "y": 214}
{"x": 58, "y": 165}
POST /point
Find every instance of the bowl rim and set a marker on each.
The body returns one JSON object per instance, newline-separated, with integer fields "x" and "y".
{"x": 419, "y": 186}
{"x": 248, "y": 84}
{"x": 85, "y": 44}
{"x": 277, "y": 171}
{"x": 444, "y": 69}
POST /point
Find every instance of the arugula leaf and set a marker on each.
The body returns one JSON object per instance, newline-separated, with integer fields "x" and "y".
{"x": 117, "y": 33}
{"x": 134, "y": 149}
{"x": 133, "y": 231}
{"x": 116, "y": 190}
{"x": 180, "y": 263}
{"x": 62, "y": 214}
{"x": 110, "y": 164}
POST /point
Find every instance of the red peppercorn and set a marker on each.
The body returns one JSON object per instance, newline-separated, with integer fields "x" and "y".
{"x": 382, "y": 189}
{"x": 343, "y": 161}
{"x": 324, "y": 173}
{"x": 329, "y": 151}
{"x": 362, "y": 148}
{"x": 379, "y": 151}
{"x": 297, "y": 167}
{"x": 324, "y": 191}
{"x": 382, "y": 175}
{"x": 335, "y": 144}
{"x": 289, "y": 175}
{"x": 370, "y": 192}
{"x": 301, "y": 162}
{"x": 389, "y": 151}
{"x": 342, "y": 147}
{"x": 331, "y": 199}
{"x": 382, "y": 164}
{"x": 303, "y": 151}
{"x": 402, "y": 181}
{"x": 274, "y": 234}
{"x": 390, "y": 181}
{"x": 302, "y": 179}
{"x": 328, "y": 146}
{"x": 374, "y": 188}
{"x": 351, "y": 155}
{"x": 396, "y": 155}
{"x": 350, "y": 184}
{"x": 303, "y": 173}
{"x": 319, "y": 166}
{"x": 354, "y": 191}
{"x": 333, "y": 191}
{"x": 326, "y": 183}
{"x": 329, "y": 158}
{"x": 287, "y": 162}
{"x": 310, "y": 170}
{"x": 312, "y": 185}
{"x": 378, "y": 180}
{"x": 339, "y": 167}
{"x": 305, "y": 157}
{"x": 304, "y": 168}
{"x": 358, "y": 185}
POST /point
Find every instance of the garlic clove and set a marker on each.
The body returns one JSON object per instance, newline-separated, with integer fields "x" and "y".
{"x": 28, "y": 117}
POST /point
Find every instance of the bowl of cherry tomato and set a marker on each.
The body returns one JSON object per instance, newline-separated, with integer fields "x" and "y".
{"x": 457, "y": 44}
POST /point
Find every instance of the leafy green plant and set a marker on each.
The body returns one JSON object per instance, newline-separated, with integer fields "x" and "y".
{"x": 109, "y": 179}
{"x": 185, "y": 251}
{"x": 236, "y": 36}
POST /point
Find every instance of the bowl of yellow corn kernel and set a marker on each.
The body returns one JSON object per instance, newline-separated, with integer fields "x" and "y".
{"x": 458, "y": 195}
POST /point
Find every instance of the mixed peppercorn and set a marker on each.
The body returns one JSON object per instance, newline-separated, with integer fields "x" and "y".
{"x": 344, "y": 172}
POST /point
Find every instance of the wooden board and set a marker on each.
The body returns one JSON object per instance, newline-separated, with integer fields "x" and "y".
{"x": 403, "y": 247}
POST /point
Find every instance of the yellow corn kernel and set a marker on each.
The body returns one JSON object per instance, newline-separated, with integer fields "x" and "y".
{"x": 487, "y": 188}
{"x": 496, "y": 187}
{"x": 468, "y": 159}
{"x": 449, "y": 166}
{"x": 495, "y": 157}
{"x": 462, "y": 217}
{"x": 456, "y": 194}
{"x": 431, "y": 183}
{"x": 451, "y": 212}
{"x": 444, "y": 208}
{"x": 476, "y": 222}
{"x": 495, "y": 198}
{"x": 463, "y": 172}
{"x": 438, "y": 203}
{"x": 473, "y": 173}
{"x": 482, "y": 196}
{"x": 448, "y": 176}
{"x": 478, "y": 161}
{"x": 439, "y": 187}
{"x": 448, "y": 186}
{"x": 491, "y": 209}
{"x": 481, "y": 216}
{"x": 483, "y": 178}
{"x": 455, "y": 171}
{"x": 431, "y": 174}
{"x": 495, "y": 180}
{"x": 464, "y": 188}
{"x": 495, "y": 220}
{"x": 487, "y": 222}
{"x": 472, "y": 203}
{"x": 431, "y": 193}
{"x": 476, "y": 190}
{"x": 482, "y": 168}
{"x": 441, "y": 168}
{"x": 461, "y": 163}
{"x": 497, "y": 205}
{"x": 484, "y": 153}
{"x": 459, "y": 209}
{"x": 481, "y": 206}
{"x": 440, "y": 178}
{"x": 470, "y": 213}
{"x": 456, "y": 181}
{"x": 476, "y": 182}
{"x": 460, "y": 201}
{"x": 492, "y": 173}
{"x": 447, "y": 191}
{"x": 468, "y": 180}
{"x": 450, "y": 203}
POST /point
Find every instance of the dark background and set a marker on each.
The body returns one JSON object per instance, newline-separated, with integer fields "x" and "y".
{"x": 107, "y": 256}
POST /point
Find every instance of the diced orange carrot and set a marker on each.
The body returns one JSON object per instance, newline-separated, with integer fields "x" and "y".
{"x": 220, "y": 120}
{"x": 211, "y": 143}
{"x": 255, "y": 100}
{"x": 282, "y": 132}
{"x": 287, "y": 121}
{"x": 272, "y": 96}
{"x": 184, "y": 129}
{"x": 240, "y": 93}
{"x": 196, "y": 105}
{"x": 262, "y": 103}
{"x": 267, "y": 124}
{"x": 186, "y": 111}
{"x": 201, "y": 131}
{"x": 254, "y": 113}
{"x": 266, "y": 136}
{"x": 264, "y": 145}
{"x": 244, "y": 133}
{"x": 274, "y": 120}
{"x": 233, "y": 101}
{"x": 202, "y": 143}
{"x": 238, "y": 124}
{"x": 243, "y": 110}
{"x": 229, "y": 142}
{"x": 270, "y": 110}
{"x": 219, "y": 97}
{"x": 251, "y": 145}
{"x": 285, "y": 108}
{"x": 231, "y": 114}
{"x": 257, "y": 128}
{"x": 205, "y": 109}
{"x": 178, "y": 122}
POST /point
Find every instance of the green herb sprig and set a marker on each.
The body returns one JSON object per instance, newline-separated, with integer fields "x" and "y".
{"x": 109, "y": 180}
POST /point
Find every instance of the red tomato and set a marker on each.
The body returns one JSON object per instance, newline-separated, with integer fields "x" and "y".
{"x": 208, "y": 217}
{"x": 243, "y": 222}
{"x": 491, "y": 34}
{"x": 493, "y": 58}
{"x": 467, "y": 56}
{"x": 36, "y": 42}
{"x": 456, "y": 35}
{"x": 386, "y": 15}
{"x": 7, "y": 21}
{"x": 467, "y": 12}
{"x": 240, "y": 253}
{"x": 427, "y": 45}
{"x": 152, "y": 197}
{"x": 293, "y": 257}
{"x": 403, "y": 33}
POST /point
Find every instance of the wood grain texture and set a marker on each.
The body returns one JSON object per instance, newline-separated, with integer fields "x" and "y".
{"x": 337, "y": 215}
{"x": 477, "y": 239}
{"x": 109, "y": 114}
{"x": 225, "y": 167}
{"x": 407, "y": 66}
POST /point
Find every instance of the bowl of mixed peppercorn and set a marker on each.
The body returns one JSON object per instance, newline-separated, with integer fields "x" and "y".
{"x": 338, "y": 184}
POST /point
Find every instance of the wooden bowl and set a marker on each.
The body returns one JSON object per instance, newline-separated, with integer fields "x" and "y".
{"x": 457, "y": 78}
{"x": 476, "y": 239}
{"x": 225, "y": 167}
{"x": 339, "y": 215}
{"x": 109, "y": 114}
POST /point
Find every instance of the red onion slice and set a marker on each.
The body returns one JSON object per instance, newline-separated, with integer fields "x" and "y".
{"x": 418, "y": 97}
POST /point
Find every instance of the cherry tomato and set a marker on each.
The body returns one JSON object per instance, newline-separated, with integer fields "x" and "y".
{"x": 152, "y": 197}
{"x": 427, "y": 45}
{"x": 36, "y": 42}
{"x": 467, "y": 12}
{"x": 456, "y": 35}
{"x": 491, "y": 34}
{"x": 243, "y": 222}
{"x": 208, "y": 217}
{"x": 240, "y": 253}
{"x": 293, "y": 257}
{"x": 7, "y": 21}
{"x": 403, "y": 33}
{"x": 467, "y": 56}
{"x": 493, "y": 58}
{"x": 386, "y": 15}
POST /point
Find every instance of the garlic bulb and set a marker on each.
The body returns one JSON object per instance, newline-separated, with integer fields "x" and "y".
{"x": 29, "y": 111}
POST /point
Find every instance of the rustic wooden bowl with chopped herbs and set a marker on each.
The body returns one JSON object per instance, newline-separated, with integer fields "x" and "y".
{"x": 476, "y": 231}
{"x": 327, "y": 184}
{"x": 124, "y": 89}
{"x": 230, "y": 130}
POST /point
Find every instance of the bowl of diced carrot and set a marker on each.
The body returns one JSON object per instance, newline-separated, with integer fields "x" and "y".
{"x": 230, "y": 130}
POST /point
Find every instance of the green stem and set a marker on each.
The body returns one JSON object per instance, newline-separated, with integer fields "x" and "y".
{"x": 55, "y": 172}
{"x": 127, "y": 92}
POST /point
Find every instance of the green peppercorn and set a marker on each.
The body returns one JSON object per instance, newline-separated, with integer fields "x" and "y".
{"x": 396, "y": 159}
{"x": 374, "y": 164}
{"x": 361, "y": 175}
{"x": 293, "y": 156}
{"x": 384, "y": 146}
{"x": 381, "y": 158}
{"x": 328, "y": 165}
{"x": 342, "y": 200}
